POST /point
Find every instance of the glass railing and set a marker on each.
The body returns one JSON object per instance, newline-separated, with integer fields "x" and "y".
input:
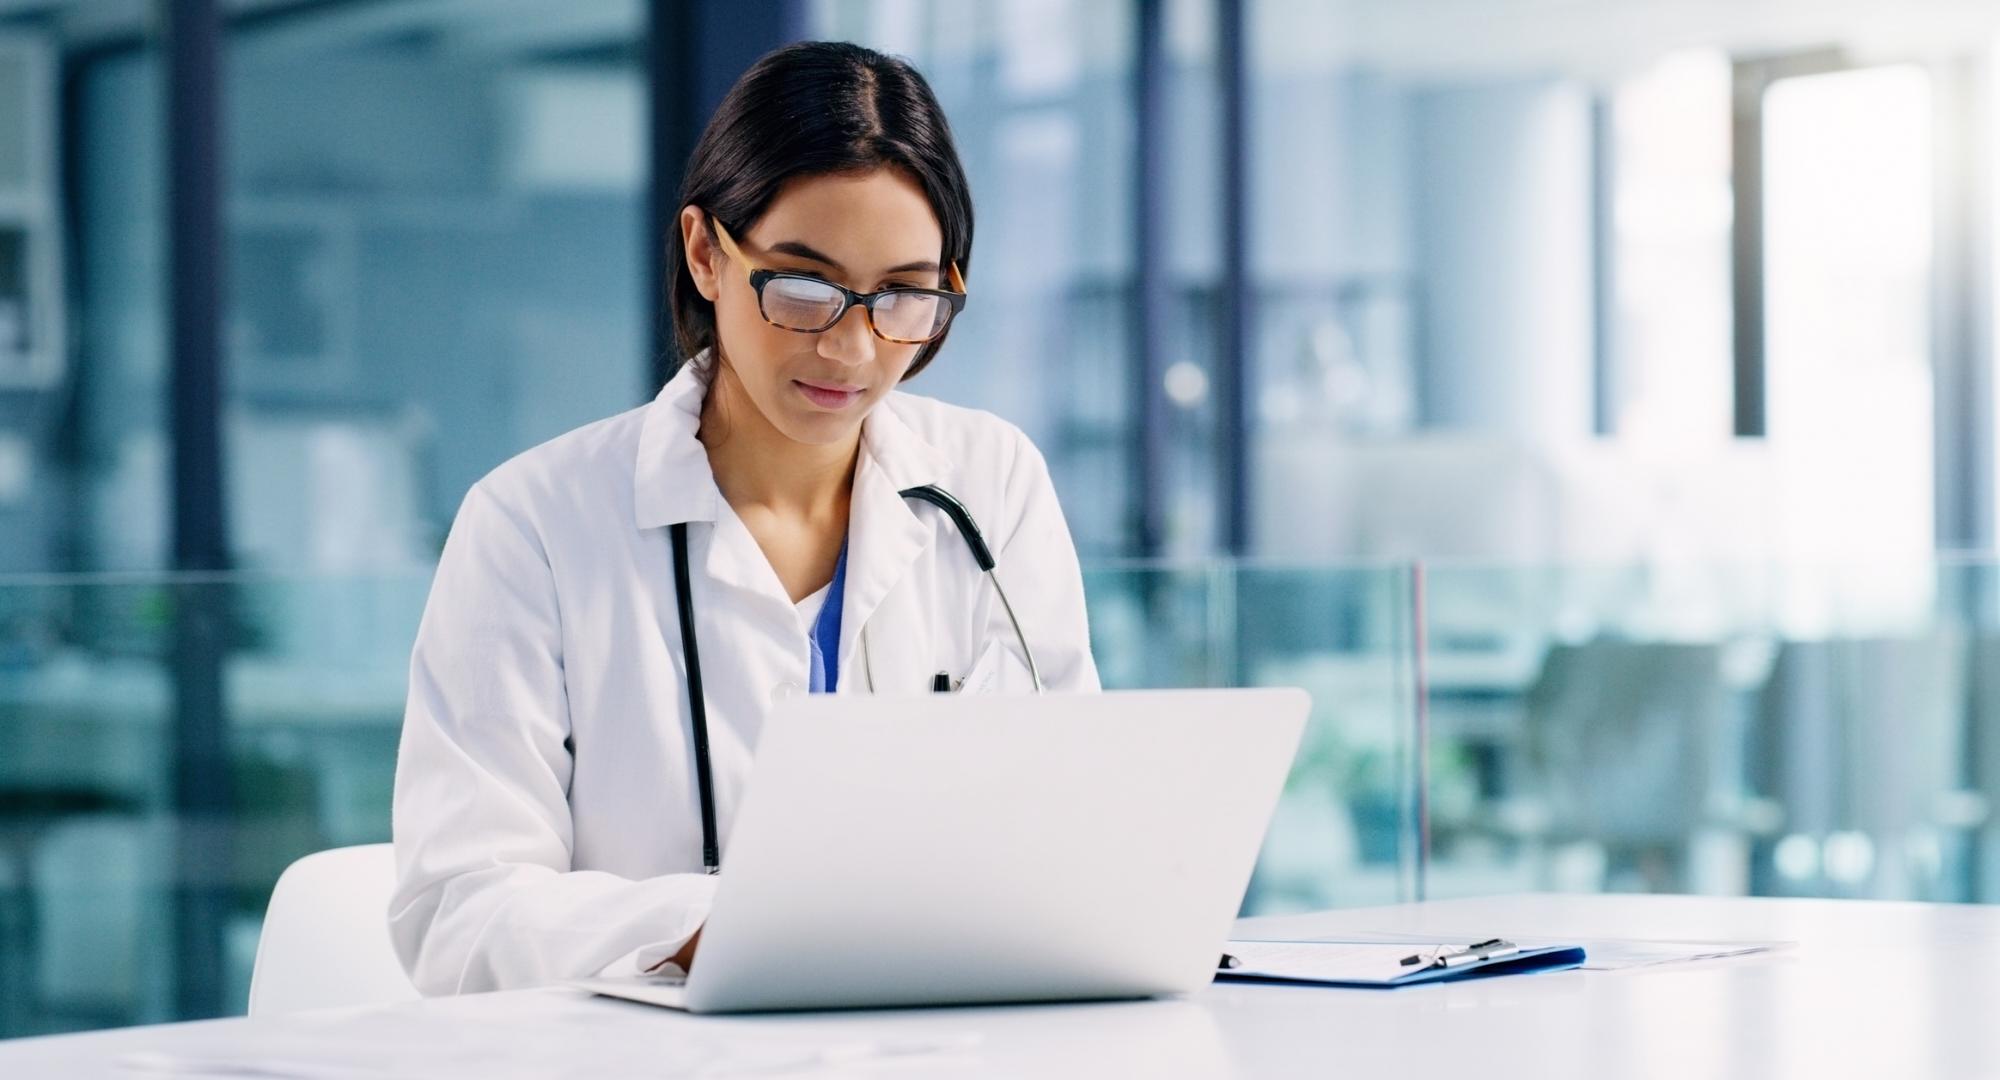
{"x": 1730, "y": 729}
{"x": 1345, "y": 831}
{"x": 167, "y": 748}
{"x": 169, "y": 745}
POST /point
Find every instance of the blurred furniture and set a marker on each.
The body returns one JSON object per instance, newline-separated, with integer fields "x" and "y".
{"x": 1983, "y": 675}
{"x": 27, "y": 819}
{"x": 105, "y": 920}
{"x": 1625, "y": 749}
{"x": 326, "y": 935}
{"x": 1863, "y": 747}
{"x": 105, "y": 889}
{"x": 1872, "y": 990}
{"x": 28, "y": 815}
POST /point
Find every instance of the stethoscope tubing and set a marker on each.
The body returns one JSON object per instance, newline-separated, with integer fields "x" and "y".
{"x": 968, "y": 529}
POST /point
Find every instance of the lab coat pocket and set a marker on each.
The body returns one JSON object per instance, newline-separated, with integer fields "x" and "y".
{"x": 999, "y": 670}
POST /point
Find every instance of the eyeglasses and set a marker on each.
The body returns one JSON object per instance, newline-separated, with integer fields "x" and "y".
{"x": 809, "y": 305}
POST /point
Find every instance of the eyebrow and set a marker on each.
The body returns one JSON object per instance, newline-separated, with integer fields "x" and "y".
{"x": 806, "y": 251}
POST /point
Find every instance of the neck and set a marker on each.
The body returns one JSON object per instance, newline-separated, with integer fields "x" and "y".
{"x": 756, "y": 465}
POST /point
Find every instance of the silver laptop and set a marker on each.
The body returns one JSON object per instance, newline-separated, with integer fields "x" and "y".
{"x": 952, "y": 849}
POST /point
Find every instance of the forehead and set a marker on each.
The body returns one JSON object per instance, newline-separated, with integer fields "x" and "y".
{"x": 865, "y": 220}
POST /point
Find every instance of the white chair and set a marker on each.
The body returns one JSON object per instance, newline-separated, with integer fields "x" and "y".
{"x": 325, "y": 942}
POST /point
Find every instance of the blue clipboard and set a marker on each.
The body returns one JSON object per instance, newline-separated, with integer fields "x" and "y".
{"x": 1380, "y": 965}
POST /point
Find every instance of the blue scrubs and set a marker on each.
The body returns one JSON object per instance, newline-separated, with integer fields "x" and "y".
{"x": 825, "y": 636}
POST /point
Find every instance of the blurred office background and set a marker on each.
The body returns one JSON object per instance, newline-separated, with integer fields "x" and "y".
{"x": 1591, "y": 401}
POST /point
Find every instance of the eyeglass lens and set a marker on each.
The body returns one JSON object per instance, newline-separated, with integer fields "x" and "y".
{"x": 804, "y": 304}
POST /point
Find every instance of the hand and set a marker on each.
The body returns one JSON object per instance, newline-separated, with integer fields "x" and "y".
{"x": 683, "y": 958}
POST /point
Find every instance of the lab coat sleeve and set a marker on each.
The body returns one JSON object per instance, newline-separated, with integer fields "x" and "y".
{"x": 1036, "y": 560}
{"x": 485, "y": 896}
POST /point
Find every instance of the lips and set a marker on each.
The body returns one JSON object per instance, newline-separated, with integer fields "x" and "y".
{"x": 828, "y": 395}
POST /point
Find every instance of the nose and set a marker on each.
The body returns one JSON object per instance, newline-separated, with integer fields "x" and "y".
{"x": 849, "y": 341}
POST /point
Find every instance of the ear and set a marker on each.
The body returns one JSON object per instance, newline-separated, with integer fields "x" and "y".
{"x": 704, "y": 256}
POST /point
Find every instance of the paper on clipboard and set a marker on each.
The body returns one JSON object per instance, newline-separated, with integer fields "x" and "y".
{"x": 1603, "y": 954}
{"x": 1340, "y": 961}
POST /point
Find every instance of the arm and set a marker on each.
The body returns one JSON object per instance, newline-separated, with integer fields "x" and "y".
{"x": 485, "y": 896}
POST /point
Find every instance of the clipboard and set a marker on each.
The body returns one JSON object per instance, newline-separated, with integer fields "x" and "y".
{"x": 1387, "y": 965}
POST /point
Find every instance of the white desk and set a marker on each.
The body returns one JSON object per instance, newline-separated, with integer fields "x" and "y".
{"x": 1874, "y": 990}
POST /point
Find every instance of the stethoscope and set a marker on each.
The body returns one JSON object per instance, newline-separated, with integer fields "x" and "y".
{"x": 711, "y": 850}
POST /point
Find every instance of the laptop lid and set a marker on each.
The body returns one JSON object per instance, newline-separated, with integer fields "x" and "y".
{"x": 971, "y": 848}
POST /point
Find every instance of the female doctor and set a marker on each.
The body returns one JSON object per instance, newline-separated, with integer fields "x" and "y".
{"x": 549, "y": 813}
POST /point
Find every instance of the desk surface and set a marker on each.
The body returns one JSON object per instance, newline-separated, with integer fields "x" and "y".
{"x": 1874, "y": 990}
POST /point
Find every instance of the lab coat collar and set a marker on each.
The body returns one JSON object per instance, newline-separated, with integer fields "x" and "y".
{"x": 672, "y": 481}
{"x": 902, "y": 457}
{"x": 673, "y": 484}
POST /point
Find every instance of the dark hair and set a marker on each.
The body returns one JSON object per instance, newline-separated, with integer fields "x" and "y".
{"x": 813, "y": 109}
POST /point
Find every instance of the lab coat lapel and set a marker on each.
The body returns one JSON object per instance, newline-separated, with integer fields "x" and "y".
{"x": 671, "y": 480}
{"x": 885, "y": 538}
{"x": 674, "y": 483}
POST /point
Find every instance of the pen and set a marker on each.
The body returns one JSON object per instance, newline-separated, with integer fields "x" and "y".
{"x": 1468, "y": 957}
{"x": 1490, "y": 949}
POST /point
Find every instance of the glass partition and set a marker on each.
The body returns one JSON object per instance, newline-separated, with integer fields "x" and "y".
{"x": 1753, "y": 729}
{"x": 1748, "y": 729}
{"x": 1345, "y": 832}
{"x": 130, "y": 893}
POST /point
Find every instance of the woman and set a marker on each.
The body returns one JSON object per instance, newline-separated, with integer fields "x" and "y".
{"x": 548, "y": 816}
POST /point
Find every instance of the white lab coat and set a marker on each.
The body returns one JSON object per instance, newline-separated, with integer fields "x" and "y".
{"x": 546, "y": 818}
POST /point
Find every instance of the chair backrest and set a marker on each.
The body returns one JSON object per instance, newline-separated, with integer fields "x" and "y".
{"x": 1622, "y": 737}
{"x": 325, "y": 941}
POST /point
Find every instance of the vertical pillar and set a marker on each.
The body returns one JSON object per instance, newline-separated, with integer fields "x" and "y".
{"x": 1154, "y": 316}
{"x": 1746, "y": 167}
{"x": 1236, "y": 359}
{"x": 695, "y": 50}
{"x": 196, "y": 241}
